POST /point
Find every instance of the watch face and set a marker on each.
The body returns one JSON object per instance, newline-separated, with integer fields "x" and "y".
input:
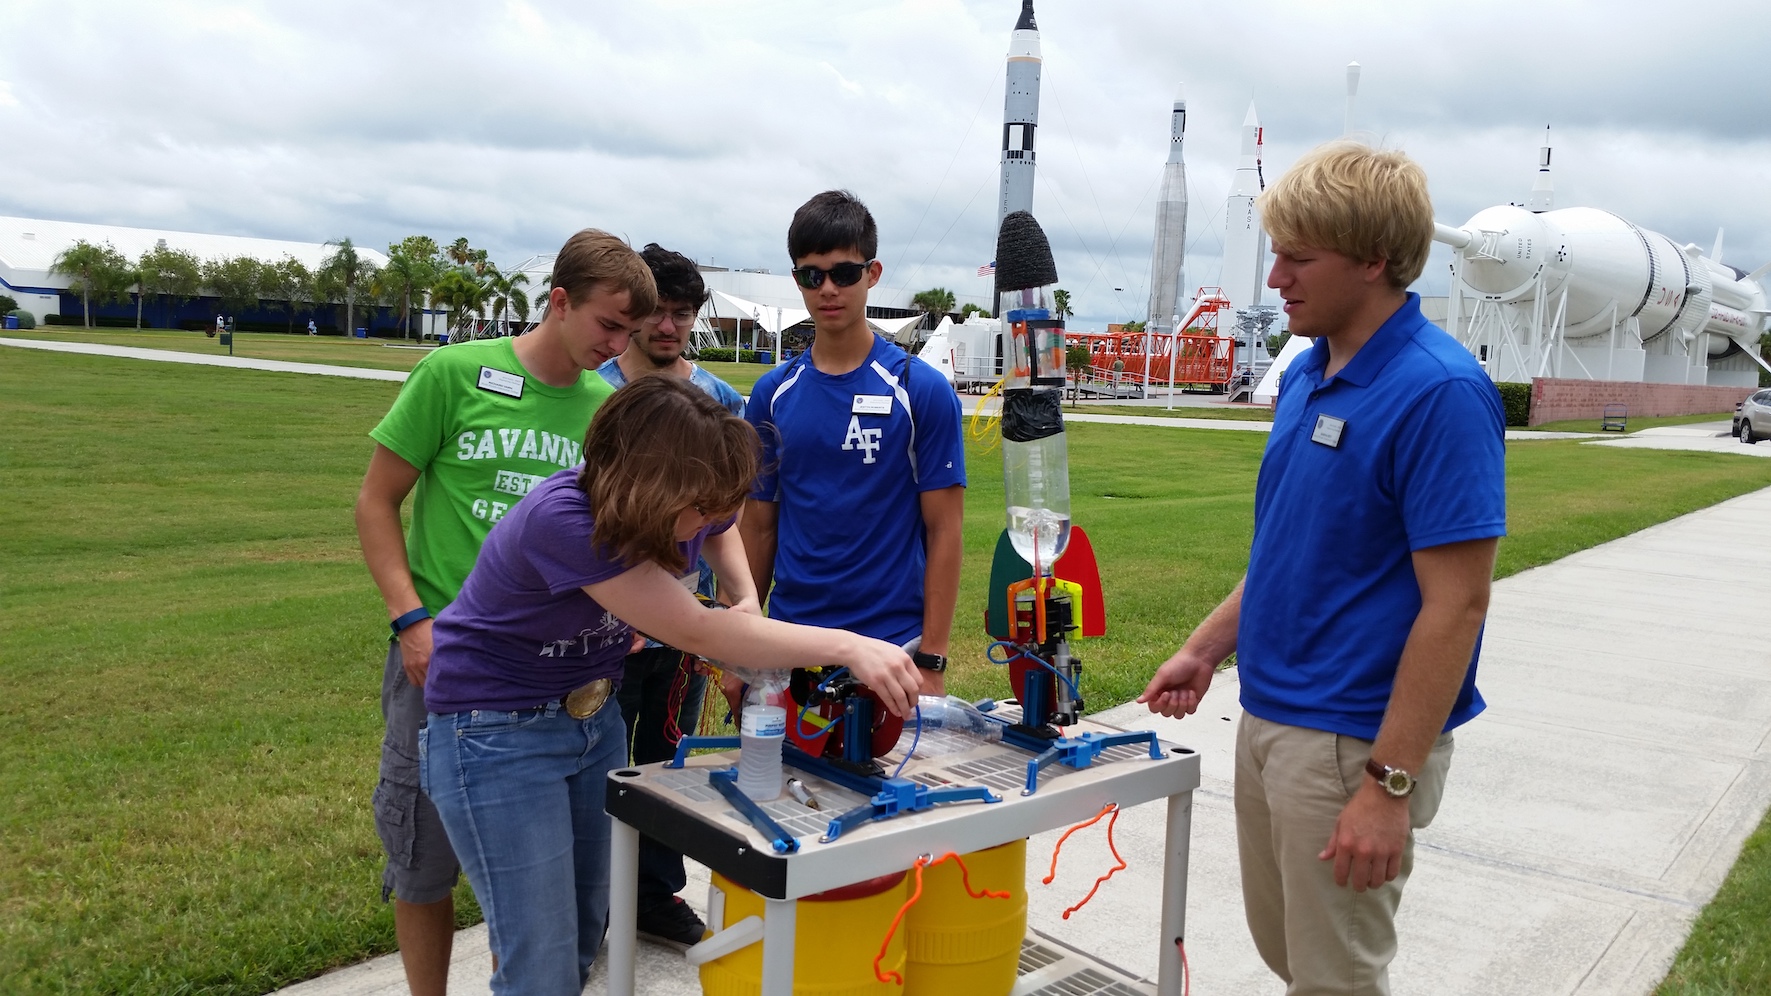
{"x": 1398, "y": 782}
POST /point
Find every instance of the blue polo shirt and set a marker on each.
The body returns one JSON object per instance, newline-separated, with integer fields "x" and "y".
{"x": 1403, "y": 449}
{"x": 847, "y": 463}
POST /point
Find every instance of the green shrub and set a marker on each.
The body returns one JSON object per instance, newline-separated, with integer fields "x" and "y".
{"x": 747, "y": 356}
{"x": 1515, "y": 400}
{"x": 7, "y": 305}
{"x": 718, "y": 354}
{"x": 25, "y": 319}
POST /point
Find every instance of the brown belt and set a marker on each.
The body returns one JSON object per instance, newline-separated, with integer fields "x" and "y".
{"x": 584, "y": 701}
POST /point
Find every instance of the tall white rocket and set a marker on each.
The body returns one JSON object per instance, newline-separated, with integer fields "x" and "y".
{"x": 1020, "y": 117}
{"x": 1245, "y": 242}
{"x": 1169, "y": 256}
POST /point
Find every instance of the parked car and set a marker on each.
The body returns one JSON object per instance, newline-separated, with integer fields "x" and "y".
{"x": 1752, "y": 417}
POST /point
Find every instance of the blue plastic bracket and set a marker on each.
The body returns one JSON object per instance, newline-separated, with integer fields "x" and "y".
{"x": 725, "y": 780}
{"x": 901, "y": 795}
{"x": 687, "y": 744}
{"x": 1081, "y": 751}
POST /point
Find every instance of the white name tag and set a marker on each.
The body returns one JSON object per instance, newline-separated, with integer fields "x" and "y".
{"x": 872, "y": 404}
{"x": 1328, "y": 431}
{"x": 501, "y": 382}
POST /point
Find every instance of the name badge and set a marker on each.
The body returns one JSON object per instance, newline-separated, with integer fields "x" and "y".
{"x": 872, "y": 404}
{"x": 501, "y": 382}
{"x": 1328, "y": 431}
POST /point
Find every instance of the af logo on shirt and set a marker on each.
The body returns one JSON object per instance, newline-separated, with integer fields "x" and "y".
{"x": 866, "y": 440}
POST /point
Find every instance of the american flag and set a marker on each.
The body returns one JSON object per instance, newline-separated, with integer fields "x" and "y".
{"x": 988, "y": 269}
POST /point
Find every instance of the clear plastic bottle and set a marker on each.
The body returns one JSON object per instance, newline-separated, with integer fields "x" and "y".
{"x": 1036, "y": 486}
{"x": 956, "y": 715}
{"x": 762, "y": 726}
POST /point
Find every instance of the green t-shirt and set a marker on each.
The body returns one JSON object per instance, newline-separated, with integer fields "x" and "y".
{"x": 482, "y": 432}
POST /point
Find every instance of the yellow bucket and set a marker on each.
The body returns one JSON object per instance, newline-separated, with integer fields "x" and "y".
{"x": 957, "y": 944}
{"x": 835, "y": 938}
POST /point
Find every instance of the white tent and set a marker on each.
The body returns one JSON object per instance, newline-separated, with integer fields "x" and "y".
{"x": 900, "y": 330}
{"x": 770, "y": 318}
{"x": 1268, "y": 388}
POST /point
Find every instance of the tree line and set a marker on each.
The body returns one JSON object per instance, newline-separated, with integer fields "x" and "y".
{"x": 419, "y": 273}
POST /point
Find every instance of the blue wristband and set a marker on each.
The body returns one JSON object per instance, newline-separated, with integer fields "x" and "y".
{"x": 405, "y": 621}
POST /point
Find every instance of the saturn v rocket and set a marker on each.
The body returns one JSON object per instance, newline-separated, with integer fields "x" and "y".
{"x": 1582, "y": 293}
{"x": 1168, "y": 258}
{"x": 1020, "y": 117}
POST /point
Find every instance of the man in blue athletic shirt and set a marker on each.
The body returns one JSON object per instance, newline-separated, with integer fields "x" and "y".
{"x": 856, "y": 518}
{"x": 1380, "y": 502}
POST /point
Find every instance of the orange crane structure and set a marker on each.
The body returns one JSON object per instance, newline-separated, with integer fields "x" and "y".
{"x": 1196, "y": 356}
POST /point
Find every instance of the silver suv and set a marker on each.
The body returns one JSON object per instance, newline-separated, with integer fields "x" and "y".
{"x": 1752, "y": 420}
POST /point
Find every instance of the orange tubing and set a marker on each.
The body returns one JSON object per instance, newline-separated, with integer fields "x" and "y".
{"x": 1119, "y": 862}
{"x": 965, "y": 880}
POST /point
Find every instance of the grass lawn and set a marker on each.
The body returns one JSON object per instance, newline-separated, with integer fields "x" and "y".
{"x": 191, "y": 650}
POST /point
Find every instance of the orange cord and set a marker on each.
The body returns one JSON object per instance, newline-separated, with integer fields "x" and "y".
{"x": 1119, "y": 865}
{"x": 1186, "y": 970}
{"x": 965, "y": 879}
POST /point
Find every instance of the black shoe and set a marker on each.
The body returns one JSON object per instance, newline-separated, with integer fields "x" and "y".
{"x": 672, "y": 924}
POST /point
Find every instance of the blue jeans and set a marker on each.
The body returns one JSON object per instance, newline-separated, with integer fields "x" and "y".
{"x": 644, "y": 697}
{"x": 521, "y": 796}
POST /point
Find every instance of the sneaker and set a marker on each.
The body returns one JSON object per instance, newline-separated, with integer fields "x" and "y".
{"x": 672, "y": 924}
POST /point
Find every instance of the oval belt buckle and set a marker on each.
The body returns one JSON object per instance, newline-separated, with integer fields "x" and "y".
{"x": 585, "y": 700}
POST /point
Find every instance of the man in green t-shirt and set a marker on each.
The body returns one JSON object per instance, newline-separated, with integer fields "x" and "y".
{"x": 475, "y": 427}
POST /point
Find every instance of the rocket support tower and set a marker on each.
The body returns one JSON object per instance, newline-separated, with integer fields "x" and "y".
{"x": 1020, "y": 117}
{"x": 1169, "y": 256}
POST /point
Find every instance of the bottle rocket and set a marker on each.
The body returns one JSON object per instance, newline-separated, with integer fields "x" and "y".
{"x": 1035, "y": 463}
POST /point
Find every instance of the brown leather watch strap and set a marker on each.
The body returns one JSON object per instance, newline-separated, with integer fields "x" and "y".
{"x": 1375, "y": 770}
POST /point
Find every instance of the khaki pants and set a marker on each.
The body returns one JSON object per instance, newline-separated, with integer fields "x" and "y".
{"x": 1291, "y": 784}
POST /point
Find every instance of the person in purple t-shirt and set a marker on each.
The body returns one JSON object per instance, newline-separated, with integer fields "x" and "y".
{"x": 519, "y": 741}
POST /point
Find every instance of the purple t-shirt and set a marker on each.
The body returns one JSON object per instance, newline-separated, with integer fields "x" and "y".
{"x": 523, "y": 632}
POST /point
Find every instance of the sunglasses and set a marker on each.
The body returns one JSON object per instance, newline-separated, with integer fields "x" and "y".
{"x": 842, "y": 275}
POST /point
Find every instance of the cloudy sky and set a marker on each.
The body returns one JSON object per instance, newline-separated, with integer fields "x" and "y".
{"x": 702, "y": 124}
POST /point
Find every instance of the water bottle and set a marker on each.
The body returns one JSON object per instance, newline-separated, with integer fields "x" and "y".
{"x": 957, "y": 715}
{"x": 762, "y": 726}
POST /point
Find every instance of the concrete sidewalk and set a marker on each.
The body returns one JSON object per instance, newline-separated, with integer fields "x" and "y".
{"x": 1591, "y": 811}
{"x": 207, "y": 360}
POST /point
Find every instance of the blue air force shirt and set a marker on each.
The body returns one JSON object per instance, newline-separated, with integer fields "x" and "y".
{"x": 1403, "y": 449}
{"x": 847, "y": 464}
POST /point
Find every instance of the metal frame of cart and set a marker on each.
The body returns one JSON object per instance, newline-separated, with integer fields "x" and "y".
{"x": 675, "y": 808}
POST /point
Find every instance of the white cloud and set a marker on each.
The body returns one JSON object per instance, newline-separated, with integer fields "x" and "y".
{"x": 702, "y": 125}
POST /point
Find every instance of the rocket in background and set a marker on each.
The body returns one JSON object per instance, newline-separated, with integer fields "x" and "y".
{"x": 1169, "y": 257}
{"x": 1245, "y": 242}
{"x": 1020, "y": 117}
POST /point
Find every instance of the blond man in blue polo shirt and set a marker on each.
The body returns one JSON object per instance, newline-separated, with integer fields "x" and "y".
{"x": 1380, "y": 502}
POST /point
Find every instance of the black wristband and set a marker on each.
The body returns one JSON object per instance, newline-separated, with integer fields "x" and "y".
{"x": 929, "y": 662}
{"x": 406, "y": 621}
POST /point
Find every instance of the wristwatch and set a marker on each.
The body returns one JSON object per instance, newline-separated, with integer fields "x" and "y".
{"x": 929, "y": 662}
{"x": 1397, "y": 783}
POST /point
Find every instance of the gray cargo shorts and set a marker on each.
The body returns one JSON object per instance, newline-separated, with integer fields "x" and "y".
{"x": 421, "y": 866}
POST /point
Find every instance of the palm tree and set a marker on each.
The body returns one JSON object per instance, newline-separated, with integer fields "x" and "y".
{"x": 1061, "y": 304}
{"x": 459, "y": 291}
{"x": 411, "y": 270}
{"x": 934, "y": 301}
{"x": 95, "y": 270}
{"x": 341, "y": 274}
{"x": 508, "y": 297}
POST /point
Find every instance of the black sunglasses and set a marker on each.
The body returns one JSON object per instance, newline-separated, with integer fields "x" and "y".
{"x": 842, "y": 274}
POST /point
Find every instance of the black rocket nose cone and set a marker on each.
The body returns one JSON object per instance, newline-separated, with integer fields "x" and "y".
{"x": 1023, "y": 256}
{"x": 1026, "y": 21}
